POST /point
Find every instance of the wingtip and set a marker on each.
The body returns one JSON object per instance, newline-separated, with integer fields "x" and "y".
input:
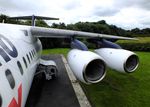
{"x": 134, "y": 39}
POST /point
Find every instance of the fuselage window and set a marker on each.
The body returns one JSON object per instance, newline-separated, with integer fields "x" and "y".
{"x": 33, "y": 51}
{"x": 20, "y": 67}
{"x": 10, "y": 78}
{"x": 0, "y": 101}
{"x": 30, "y": 55}
{"x": 28, "y": 58}
{"x": 25, "y": 62}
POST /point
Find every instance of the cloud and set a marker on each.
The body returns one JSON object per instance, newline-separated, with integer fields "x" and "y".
{"x": 98, "y": 11}
{"x": 17, "y": 7}
{"x": 123, "y": 13}
{"x": 7, "y": 5}
{"x": 144, "y": 4}
{"x": 72, "y": 5}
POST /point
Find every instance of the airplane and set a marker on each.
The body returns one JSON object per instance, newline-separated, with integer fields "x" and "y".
{"x": 20, "y": 56}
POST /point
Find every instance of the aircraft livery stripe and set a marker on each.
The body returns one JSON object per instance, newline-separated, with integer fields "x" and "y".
{"x": 13, "y": 102}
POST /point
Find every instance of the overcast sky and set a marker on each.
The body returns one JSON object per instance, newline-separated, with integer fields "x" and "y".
{"x": 127, "y": 14}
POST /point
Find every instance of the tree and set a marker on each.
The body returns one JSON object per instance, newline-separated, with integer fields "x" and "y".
{"x": 59, "y": 26}
{"x": 41, "y": 23}
{"x": 102, "y": 22}
{"x": 3, "y": 17}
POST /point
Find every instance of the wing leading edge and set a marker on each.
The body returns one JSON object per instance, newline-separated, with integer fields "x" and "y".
{"x": 60, "y": 33}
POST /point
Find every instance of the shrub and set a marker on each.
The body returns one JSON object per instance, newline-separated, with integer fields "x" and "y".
{"x": 136, "y": 46}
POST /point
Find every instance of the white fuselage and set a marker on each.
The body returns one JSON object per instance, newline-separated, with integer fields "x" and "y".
{"x": 19, "y": 56}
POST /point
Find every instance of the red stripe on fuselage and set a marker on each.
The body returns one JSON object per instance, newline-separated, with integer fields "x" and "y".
{"x": 13, "y": 102}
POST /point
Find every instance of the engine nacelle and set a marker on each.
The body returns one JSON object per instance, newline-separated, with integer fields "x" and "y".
{"x": 119, "y": 59}
{"x": 87, "y": 66}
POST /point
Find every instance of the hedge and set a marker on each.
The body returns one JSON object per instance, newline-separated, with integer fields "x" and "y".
{"x": 136, "y": 46}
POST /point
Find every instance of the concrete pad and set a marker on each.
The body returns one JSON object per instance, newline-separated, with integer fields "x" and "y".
{"x": 64, "y": 91}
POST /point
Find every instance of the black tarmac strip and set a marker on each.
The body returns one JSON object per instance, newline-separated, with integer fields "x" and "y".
{"x": 53, "y": 93}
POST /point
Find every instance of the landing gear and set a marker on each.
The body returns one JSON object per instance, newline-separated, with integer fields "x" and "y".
{"x": 48, "y": 68}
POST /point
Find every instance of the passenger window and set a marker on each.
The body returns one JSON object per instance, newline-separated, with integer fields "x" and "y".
{"x": 28, "y": 58}
{"x": 10, "y": 78}
{"x": 25, "y": 62}
{"x": 20, "y": 67}
{"x": 30, "y": 55}
{"x": 34, "y": 52}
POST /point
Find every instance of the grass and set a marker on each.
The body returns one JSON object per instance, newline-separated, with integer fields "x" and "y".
{"x": 63, "y": 51}
{"x": 119, "y": 90}
{"x": 141, "y": 40}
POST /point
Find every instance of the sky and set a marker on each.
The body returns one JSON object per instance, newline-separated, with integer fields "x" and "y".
{"x": 127, "y": 14}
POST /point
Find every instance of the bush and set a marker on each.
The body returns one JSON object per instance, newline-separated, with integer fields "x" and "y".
{"x": 136, "y": 46}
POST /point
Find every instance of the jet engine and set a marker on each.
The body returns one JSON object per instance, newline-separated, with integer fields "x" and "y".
{"x": 119, "y": 59}
{"x": 87, "y": 66}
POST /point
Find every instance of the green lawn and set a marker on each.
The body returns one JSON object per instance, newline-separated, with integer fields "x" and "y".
{"x": 119, "y": 90}
{"x": 140, "y": 40}
{"x": 63, "y": 51}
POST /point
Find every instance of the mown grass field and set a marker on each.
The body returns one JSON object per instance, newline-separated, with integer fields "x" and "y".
{"x": 140, "y": 40}
{"x": 119, "y": 90}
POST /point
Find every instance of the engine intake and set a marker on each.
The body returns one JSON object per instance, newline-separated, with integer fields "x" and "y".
{"x": 131, "y": 63}
{"x": 119, "y": 59}
{"x": 94, "y": 70}
{"x": 87, "y": 66}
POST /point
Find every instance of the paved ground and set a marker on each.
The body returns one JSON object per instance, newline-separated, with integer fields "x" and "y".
{"x": 54, "y": 93}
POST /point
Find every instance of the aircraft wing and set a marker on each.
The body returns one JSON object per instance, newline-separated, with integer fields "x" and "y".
{"x": 36, "y": 17}
{"x": 60, "y": 33}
